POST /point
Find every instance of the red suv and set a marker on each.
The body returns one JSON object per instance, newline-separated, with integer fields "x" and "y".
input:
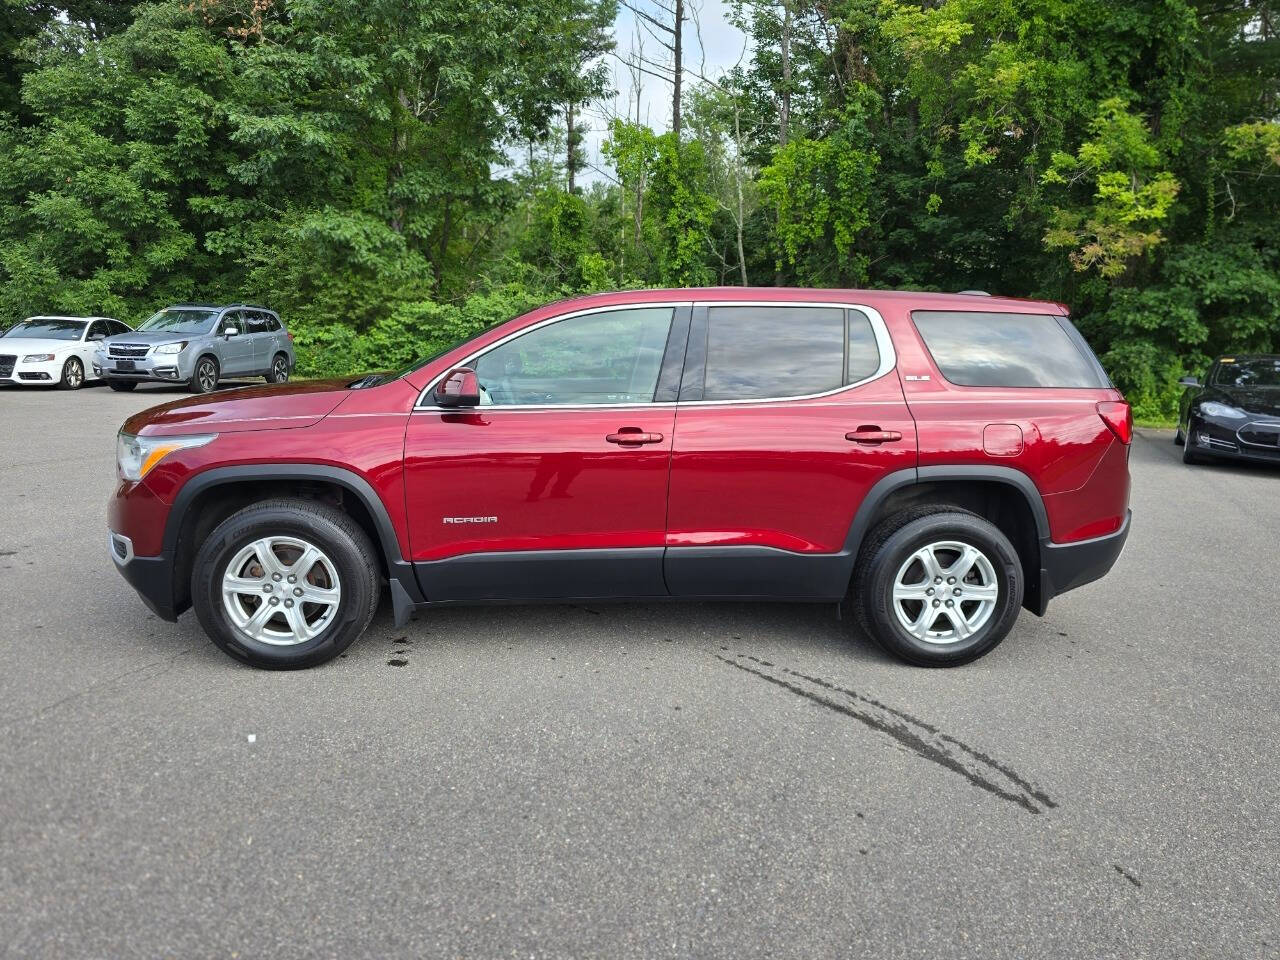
{"x": 935, "y": 461}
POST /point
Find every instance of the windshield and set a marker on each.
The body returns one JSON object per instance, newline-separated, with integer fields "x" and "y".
{"x": 1254, "y": 372}
{"x": 46, "y": 328}
{"x": 180, "y": 321}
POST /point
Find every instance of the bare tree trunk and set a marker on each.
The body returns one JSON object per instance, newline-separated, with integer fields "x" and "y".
{"x": 438, "y": 266}
{"x": 571, "y": 159}
{"x": 784, "y": 106}
{"x": 678, "y": 68}
{"x": 737, "y": 178}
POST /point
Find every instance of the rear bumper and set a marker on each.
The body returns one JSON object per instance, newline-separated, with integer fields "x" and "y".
{"x": 152, "y": 577}
{"x": 1065, "y": 566}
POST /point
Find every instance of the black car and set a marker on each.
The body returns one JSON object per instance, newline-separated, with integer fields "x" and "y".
{"x": 1234, "y": 414}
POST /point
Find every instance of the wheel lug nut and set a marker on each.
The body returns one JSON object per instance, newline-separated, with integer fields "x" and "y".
{"x": 293, "y": 579}
{"x": 950, "y": 603}
{"x": 937, "y": 579}
{"x": 957, "y": 591}
{"x": 266, "y": 588}
{"x": 288, "y": 603}
{"x": 951, "y": 579}
{"x": 275, "y": 577}
{"x": 274, "y": 601}
{"x": 929, "y": 592}
{"x": 297, "y": 591}
{"x": 936, "y": 602}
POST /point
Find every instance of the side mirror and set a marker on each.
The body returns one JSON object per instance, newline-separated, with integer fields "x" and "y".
{"x": 229, "y": 332}
{"x": 1189, "y": 382}
{"x": 459, "y": 388}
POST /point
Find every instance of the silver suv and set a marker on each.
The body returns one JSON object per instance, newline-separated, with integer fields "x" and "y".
{"x": 197, "y": 344}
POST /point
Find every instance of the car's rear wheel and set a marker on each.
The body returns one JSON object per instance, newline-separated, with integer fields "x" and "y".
{"x": 938, "y": 586}
{"x": 124, "y": 386}
{"x": 72, "y": 374}
{"x": 285, "y": 583}
{"x": 279, "y": 372}
{"x": 204, "y": 377}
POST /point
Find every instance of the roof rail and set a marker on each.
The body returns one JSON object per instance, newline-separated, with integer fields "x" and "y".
{"x": 974, "y": 293}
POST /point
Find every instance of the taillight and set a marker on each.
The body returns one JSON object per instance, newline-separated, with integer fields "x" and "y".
{"x": 1119, "y": 417}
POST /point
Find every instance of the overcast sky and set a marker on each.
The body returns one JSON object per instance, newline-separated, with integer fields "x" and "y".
{"x": 720, "y": 48}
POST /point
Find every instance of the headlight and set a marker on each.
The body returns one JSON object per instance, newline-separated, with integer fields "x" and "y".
{"x": 1211, "y": 408}
{"x": 37, "y": 357}
{"x": 135, "y": 456}
{"x": 168, "y": 349}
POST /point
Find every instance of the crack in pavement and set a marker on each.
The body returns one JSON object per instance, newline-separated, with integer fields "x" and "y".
{"x": 922, "y": 738}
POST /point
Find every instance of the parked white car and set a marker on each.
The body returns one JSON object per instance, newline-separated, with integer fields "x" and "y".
{"x": 54, "y": 351}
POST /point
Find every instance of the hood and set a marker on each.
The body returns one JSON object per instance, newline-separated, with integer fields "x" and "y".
{"x": 149, "y": 338}
{"x": 270, "y": 407}
{"x": 1255, "y": 401}
{"x": 25, "y": 345}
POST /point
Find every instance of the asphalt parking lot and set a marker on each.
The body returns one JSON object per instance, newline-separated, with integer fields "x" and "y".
{"x": 639, "y": 781}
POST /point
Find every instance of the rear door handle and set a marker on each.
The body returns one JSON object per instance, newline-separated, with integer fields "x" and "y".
{"x": 872, "y": 435}
{"x": 633, "y": 436}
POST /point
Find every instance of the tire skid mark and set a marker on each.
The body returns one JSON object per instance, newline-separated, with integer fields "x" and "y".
{"x": 922, "y": 738}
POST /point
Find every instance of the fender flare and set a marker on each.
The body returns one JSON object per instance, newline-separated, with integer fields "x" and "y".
{"x": 899, "y": 479}
{"x": 405, "y": 591}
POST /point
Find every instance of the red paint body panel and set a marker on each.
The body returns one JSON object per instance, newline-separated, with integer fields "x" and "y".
{"x": 782, "y": 474}
{"x": 549, "y": 477}
{"x": 247, "y": 408}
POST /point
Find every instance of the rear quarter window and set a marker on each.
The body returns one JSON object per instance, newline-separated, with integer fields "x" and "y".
{"x": 975, "y": 349}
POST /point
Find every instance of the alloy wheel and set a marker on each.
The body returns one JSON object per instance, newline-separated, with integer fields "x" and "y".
{"x": 945, "y": 592}
{"x": 281, "y": 590}
{"x": 74, "y": 373}
{"x": 280, "y": 370}
{"x": 206, "y": 376}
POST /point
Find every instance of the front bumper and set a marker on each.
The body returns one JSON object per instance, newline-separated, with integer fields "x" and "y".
{"x": 163, "y": 368}
{"x": 1065, "y": 566}
{"x": 46, "y": 373}
{"x": 152, "y": 577}
{"x": 1256, "y": 440}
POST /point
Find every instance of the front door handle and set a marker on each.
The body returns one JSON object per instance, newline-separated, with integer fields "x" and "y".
{"x": 633, "y": 436}
{"x": 872, "y": 435}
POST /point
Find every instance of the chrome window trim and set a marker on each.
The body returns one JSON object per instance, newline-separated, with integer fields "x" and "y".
{"x": 884, "y": 342}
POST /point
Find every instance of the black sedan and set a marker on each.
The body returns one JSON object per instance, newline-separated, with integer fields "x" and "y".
{"x": 1234, "y": 414}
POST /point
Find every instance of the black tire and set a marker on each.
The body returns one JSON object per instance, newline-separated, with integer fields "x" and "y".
{"x": 204, "y": 375}
{"x": 891, "y": 545}
{"x": 124, "y": 386}
{"x": 279, "y": 369}
{"x": 1179, "y": 438}
{"x": 72, "y": 374}
{"x": 1189, "y": 456}
{"x": 336, "y": 534}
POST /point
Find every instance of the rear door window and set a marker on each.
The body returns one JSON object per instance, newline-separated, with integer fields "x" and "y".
{"x": 975, "y": 349}
{"x": 761, "y": 352}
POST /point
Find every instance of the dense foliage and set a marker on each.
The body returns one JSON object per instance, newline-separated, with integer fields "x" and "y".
{"x": 393, "y": 174}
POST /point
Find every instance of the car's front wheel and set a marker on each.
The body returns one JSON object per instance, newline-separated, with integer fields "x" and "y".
{"x": 938, "y": 586}
{"x": 285, "y": 583}
{"x": 72, "y": 374}
{"x": 204, "y": 378}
